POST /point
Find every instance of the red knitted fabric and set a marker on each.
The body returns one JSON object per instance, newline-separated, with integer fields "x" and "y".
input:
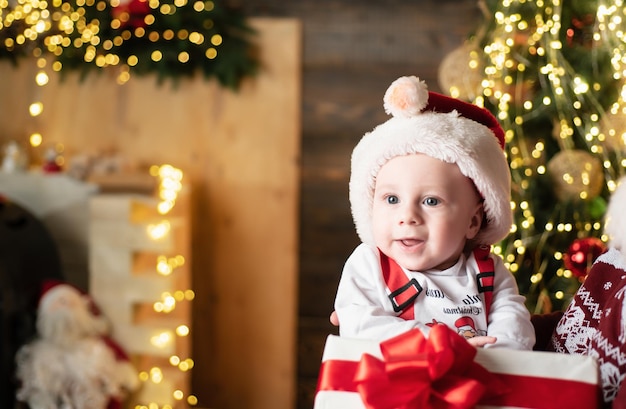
{"x": 595, "y": 324}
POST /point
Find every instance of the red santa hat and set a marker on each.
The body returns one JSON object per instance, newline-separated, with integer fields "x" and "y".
{"x": 65, "y": 312}
{"x": 465, "y": 323}
{"x": 444, "y": 128}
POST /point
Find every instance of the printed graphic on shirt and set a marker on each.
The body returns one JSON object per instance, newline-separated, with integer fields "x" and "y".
{"x": 435, "y": 293}
{"x": 466, "y": 327}
{"x": 434, "y": 322}
{"x": 460, "y": 310}
{"x": 469, "y": 305}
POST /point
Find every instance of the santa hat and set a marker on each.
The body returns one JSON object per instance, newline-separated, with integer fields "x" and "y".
{"x": 465, "y": 323}
{"x": 66, "y": 311}
{"x": 51, "y": 288}
{"x": 444, "y": 128}
{"x": 615, "y": 220}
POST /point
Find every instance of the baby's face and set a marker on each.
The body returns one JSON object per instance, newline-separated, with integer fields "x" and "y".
{"x": 424, "y": 211}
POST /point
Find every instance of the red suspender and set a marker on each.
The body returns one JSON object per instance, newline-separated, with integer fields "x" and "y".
{"x": 485, "y": 276}
{"x": 403, "y": 293}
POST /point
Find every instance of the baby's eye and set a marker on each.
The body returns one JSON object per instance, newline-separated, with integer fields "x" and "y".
{"x": 431, "y": 201}
{"x": 391, "y": 199}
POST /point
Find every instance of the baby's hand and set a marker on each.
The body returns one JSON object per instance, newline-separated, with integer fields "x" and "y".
{"x": 481, "y": 341}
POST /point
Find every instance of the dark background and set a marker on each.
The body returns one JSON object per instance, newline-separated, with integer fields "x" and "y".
{"x": 352, "y": 51}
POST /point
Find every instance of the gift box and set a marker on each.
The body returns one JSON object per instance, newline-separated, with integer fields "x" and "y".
{"x": 411, "y": 371}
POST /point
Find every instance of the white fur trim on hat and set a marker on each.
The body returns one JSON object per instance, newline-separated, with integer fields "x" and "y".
{"x": 443, "y": 128}
{"x": 615, "y": 226}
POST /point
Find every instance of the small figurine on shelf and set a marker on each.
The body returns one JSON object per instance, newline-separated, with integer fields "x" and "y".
{"x": 15, "y": 158}
{"x": 73, "y": 362}
{"x": 52, "y": 160}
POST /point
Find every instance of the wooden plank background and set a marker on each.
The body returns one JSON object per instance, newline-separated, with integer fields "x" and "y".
{"x": 352, "y": 51}
{"x": 240, "y": 154}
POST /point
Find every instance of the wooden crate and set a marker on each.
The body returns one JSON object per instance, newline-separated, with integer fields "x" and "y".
{"x": 126, "y": 284}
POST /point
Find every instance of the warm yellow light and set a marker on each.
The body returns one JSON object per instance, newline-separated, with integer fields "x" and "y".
{"x": 156, "y": 375}
{"x": 186, "y": 365}
{"x": 41, "y": 78}
{"x": 166, "y": 305}
{"x": 163, "y": 267}
{"x": 182, "y": 330}
{"x": 165, "y": 207}
{"x": 169, "y": 301}
{"x": 169, "y": 171}
{"x": 211, "y": 53}
{"x": 167, "y": 194}
{"x": 161, "y": 340}
{"x": 36, "y": 139}
{"x": 36, "y": 108}
{"x": 158, "y": 231}
{"x": 172, "y": 182}
{"x": 123, "y": 77}
{"x": 216, "y": 39}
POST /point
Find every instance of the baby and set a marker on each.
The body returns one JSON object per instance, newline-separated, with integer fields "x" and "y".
{"x": 430, "y": 193}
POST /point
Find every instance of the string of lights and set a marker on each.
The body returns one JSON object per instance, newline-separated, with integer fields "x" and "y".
{"x": 170, "y": 185}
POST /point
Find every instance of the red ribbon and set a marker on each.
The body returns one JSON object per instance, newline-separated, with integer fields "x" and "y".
{"x": 437, "y": 372}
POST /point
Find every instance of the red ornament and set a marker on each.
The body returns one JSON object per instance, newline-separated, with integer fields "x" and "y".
{"x": 580, "y": 32}
{"x": 132, "y": 13}
{"x": 581, "y": 254}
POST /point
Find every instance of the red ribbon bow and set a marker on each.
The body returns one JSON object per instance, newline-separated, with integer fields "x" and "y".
{"x": 437, "y": 372}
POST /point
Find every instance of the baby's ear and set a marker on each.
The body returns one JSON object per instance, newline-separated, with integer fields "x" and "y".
{"x": 477, "y": 222}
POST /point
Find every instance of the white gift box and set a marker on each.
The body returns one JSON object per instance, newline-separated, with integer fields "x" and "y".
{"x": 535, "y": 380}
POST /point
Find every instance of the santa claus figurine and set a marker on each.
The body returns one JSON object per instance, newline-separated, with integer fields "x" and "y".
{"x": 72, "y": 363}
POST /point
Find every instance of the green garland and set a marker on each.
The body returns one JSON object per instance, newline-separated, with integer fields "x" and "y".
{"x": 169, "y": 38}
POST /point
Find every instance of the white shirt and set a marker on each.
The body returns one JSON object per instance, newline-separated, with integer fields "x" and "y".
{"x": 450, "y": 297}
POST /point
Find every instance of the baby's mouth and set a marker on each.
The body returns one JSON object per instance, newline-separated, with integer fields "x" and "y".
{"x": 409, "y": 242}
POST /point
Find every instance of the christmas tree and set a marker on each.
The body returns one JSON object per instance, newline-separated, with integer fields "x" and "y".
{"x": 552, "y": 73}
{"x": 169, "y": 38}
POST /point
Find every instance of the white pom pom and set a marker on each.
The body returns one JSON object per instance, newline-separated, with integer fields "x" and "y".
{"x": 616, "y": 217}
{"x": 406, "y": 97}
